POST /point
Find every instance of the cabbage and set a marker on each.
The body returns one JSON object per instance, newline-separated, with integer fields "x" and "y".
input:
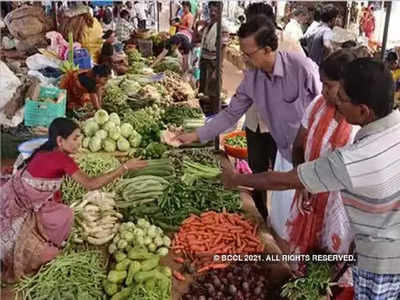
{"x": 152, "y": 247}
{"x": 166, "y": 241}
{"x": 115, "y": 133}
{"x": 90, "y": 127}
{"x": 128, "y": 236}
{"x": 130, "y": 87}
{"x": 143, "y": 223}
{"x": 85, "y": 142}
{"x": 102, "y": 134}
{"x": 162, "y": 251}
{"x": 135, "y": 139}
{"x": 151, "y": 231}
{"x": 159, "y": 231}
{"x": 122, "y": 144}
{"x": 109, "y": 145}
{"x": 101, "y": 116}
{"x": 108, "y": 126}
{"x": 126, "y": 130}
{"x": 115, "y": 119}
{"x": 139, "y": 240}
{"x": 147, "y": 240}
{"x": 138, "y": 232}
{"x": 95, "y": 144}
{"x": 158, "y": 241}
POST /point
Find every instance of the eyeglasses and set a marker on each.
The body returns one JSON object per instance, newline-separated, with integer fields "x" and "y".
{"x": 249, "y": 55}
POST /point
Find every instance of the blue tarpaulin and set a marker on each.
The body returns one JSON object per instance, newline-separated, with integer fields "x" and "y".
{"x": 102, "y": 3}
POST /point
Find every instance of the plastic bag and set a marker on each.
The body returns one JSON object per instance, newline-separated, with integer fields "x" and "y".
{"x": 8, "y": 84}
{"x": 39, "y": 61}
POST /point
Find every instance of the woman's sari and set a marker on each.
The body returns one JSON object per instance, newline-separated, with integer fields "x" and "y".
{"x": 77, "y": 94}
{"x": 33, "y": 225}
{"x": 327, "y": 226}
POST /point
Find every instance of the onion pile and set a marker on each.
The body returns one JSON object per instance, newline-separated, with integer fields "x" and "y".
{"x": 242, "y": 281}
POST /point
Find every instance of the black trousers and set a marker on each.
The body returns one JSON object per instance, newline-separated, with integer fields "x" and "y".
{"x": 261, "y": 155}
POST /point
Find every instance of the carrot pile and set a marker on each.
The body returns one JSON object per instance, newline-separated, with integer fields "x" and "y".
{"x": 199, "y": 238}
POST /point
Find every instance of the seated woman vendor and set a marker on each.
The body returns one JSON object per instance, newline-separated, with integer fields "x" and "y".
{"x": 178, "y": 45}
{"x": 34, "y": 224}
{"x": 115, "y": 62}
{"x": 85, "y": 85}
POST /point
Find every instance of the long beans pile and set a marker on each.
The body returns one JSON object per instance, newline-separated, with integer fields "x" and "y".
{"x": 179, "y": 201}
{"x": 69, "y": 276}
{"x": 93, "y": 164}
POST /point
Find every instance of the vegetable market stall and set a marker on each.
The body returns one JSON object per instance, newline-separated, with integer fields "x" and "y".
{"x": 152, "y": 234}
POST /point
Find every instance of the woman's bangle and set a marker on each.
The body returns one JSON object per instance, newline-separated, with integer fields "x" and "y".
{"x": 125, "y": 167}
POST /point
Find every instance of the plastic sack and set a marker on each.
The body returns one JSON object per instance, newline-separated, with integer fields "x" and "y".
{"x": 39, "y": 61}
{"x": 8, "y": 84}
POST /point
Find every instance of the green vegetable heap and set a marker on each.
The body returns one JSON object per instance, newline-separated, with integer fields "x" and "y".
{"x": 137, "y": 249}
{"x": 237, "y": 141}
{"x": 313, "y": 286}
{"x": 93, "y": 164}
{"x": 69, "y": 276}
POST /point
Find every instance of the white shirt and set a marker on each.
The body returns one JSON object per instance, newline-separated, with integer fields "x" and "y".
{"x": 294, "y": 30}
{"x": 140, "y": 8}
{"x": 311, "y": 29}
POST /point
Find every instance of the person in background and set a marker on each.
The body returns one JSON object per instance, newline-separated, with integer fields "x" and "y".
{"x": 186, "y": 21}
{"x": 364, "y": 172}
{"x": 306, "y": 40}
{"x": 367, "y": 22}
{"x": 34, "y": 222}
{"x": 115, "y": 63}
{"x": 178, "y": 45}
{"x": 280, "y": 85}
{"x": 85, "y": 86}
{"x": 124, "y": 27}
{"x": 294, "y": 29}
{"x": 321, "y": 42}
{"x": 319, "y": 221}
{"x": 107, "y": 22}
{"x": 141, "y": 7}
{"x": 260, "y": 143}
{"x": 132, "y": 12}
{"x": 208, "y": 62}
{"x": 392, "y": 63}
{"x": 316, "y": 21}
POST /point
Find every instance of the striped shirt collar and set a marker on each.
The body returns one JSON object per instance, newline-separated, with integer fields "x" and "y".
{"x": 379, "y": 125}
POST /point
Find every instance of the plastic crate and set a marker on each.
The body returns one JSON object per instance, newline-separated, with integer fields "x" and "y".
{"x": 82, "y": 58}
{"x": 37, "y": 113}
